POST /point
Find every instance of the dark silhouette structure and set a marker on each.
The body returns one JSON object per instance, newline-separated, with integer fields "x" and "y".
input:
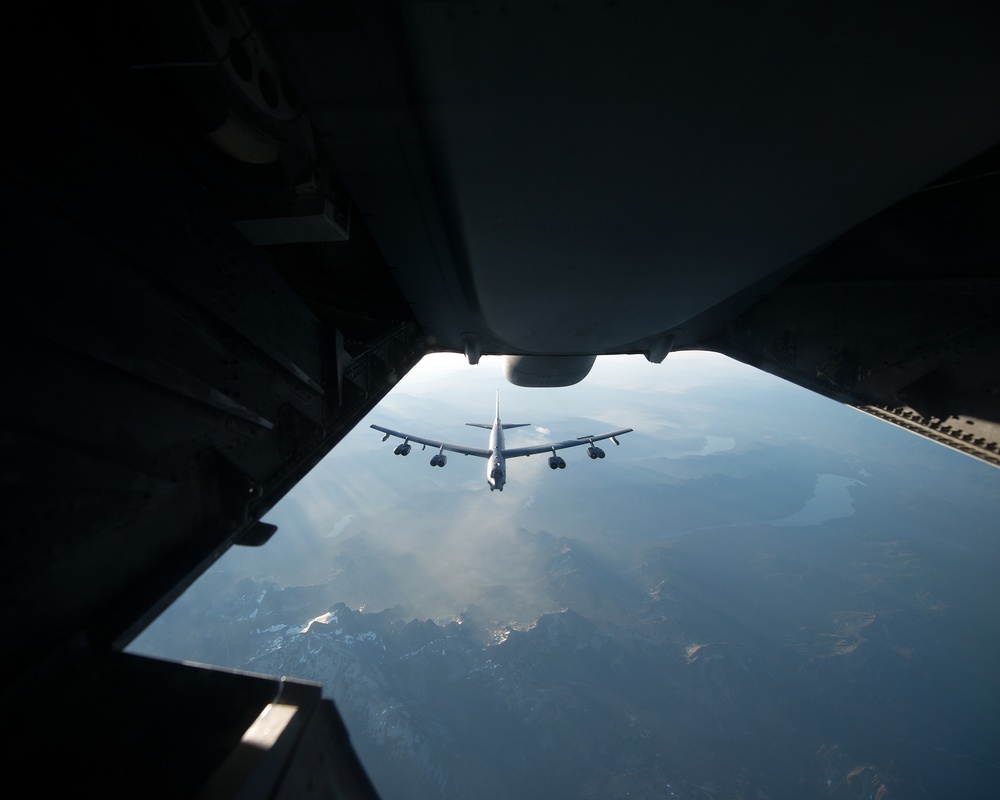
{"x": 231, "y": 226}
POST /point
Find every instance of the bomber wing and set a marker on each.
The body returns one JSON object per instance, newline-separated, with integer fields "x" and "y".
{"x": 454, "y": 448}
{"x": 548, "y": 447}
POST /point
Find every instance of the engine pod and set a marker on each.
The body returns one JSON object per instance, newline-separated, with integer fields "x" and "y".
{"x": 543, "y": 371}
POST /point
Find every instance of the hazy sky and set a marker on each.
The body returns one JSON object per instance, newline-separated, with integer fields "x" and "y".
{"x": 697, "y": 418}
{"x": 443, "y": 392}
{"x": 675, "y": 409}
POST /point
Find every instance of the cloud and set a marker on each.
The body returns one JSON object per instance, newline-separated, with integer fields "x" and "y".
{"x": 544, "y": 431}
{"x": 339, "y": 527}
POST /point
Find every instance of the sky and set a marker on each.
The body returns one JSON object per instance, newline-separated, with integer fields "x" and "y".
{"x": 672, "y": 408}
{"x": 443, "y": 392}
{"x": 697, "y": 415}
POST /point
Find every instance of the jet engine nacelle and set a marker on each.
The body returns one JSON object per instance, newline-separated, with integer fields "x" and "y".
{"x": 595, "y": 452}
{"x": 546, "y": 370}
{"x": 555, "y": 462}
{"x": 402, "y": 449}
{"x": 439, "y": 460}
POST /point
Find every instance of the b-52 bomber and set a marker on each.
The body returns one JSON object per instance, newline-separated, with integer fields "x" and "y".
{"x": 497, "y": 453}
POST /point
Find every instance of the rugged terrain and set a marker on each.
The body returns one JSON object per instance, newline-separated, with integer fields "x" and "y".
{"x": 729, "y": 663}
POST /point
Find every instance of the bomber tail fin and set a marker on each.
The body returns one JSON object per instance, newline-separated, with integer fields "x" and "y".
{"x": 504, "y": 425}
